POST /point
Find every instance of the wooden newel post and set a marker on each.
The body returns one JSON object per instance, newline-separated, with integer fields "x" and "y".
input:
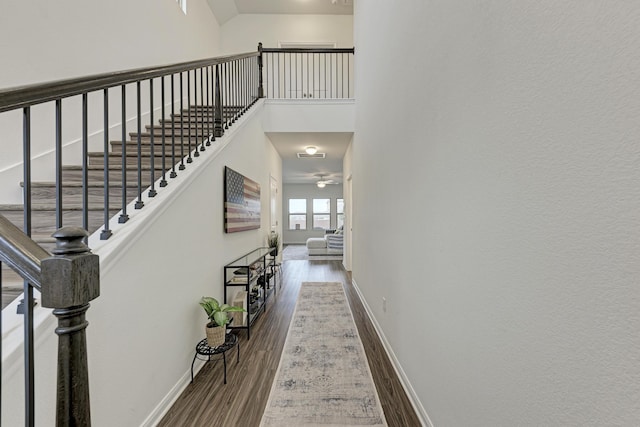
{"x": 218, "y": 130}
{"x": 70, "y": 279}
{"x": 260, "y": 87}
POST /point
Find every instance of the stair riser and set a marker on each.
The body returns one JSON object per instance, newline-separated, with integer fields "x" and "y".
{"x": 132, "y": 161}
{"x": 115, "y": 176}
{"x": 73, "y": 195}
{"x": 132, "y": 146}
{"x": 44, "y": 222}
{"x": 145, "y": 149}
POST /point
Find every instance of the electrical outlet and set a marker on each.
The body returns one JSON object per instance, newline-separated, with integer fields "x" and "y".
{"x": 384, "y": 304}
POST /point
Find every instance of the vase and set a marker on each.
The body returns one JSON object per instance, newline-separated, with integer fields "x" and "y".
{"x": 215, "y": 335}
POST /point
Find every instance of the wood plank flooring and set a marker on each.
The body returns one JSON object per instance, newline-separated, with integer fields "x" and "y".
{"x": 241, "y": 402}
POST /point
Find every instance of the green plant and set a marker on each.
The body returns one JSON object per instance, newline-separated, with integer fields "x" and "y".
{"x": 217, "y": 313}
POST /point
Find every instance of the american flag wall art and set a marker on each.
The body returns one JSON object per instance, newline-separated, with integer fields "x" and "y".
{"x": 241, "y": 202}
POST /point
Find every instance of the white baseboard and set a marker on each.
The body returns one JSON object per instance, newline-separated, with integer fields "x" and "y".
{"x": 165, "y": 404}
{"x": 404, "y": 380}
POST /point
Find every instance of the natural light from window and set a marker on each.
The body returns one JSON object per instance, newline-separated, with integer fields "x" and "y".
{"x": 321, "y": 214}
{"x": 297, "y": 214}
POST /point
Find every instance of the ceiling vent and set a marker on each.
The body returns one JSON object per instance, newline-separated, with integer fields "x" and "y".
{"x": 311, "y": 156}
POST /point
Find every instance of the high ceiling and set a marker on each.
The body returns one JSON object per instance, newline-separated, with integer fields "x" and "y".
{"x": 225, "y": 10}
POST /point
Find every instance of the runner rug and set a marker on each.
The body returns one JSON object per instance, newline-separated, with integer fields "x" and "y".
{"x": 323, "y": 378}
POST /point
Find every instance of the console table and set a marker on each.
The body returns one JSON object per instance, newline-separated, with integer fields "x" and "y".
{"x": 254, "y": 273}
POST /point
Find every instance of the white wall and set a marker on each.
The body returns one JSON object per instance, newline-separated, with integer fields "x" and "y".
{"x": 48, "y": 41}
{"x": 244, "y": 32}
{"x": 504, "y": 232}
{"x": 309, "y": 192}
{"x": 145, "y": 323}
{"x": 347, "y": 173}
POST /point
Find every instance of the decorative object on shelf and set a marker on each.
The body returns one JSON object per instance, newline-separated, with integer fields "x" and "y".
{"x": 252, "y": 272}
{"x": 218, "y": 319}
{"x": 241, "y": 202}
{"x": 273, "y": 240}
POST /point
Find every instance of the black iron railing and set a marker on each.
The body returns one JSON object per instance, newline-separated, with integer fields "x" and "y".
{"x": 184, "y": 106}
{"x": 297, "y": 73}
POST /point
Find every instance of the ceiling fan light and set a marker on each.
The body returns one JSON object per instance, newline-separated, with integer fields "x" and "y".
{"x": 311, "y": 150}
{"x": 321, "y": 184}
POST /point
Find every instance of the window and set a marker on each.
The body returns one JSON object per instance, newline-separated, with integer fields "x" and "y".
{"x": 183, "y": 5}
{"x": 297, "y": 214}
{"x": 340, "y": 213}
{"x": 321, "y": 214}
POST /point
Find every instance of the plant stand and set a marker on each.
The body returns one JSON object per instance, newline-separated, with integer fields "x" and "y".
{"x": 203, "y": 349}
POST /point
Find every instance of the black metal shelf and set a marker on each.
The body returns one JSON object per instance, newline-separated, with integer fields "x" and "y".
{"x": 251, "y": 271}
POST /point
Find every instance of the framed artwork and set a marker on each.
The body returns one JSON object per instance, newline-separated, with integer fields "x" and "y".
{"x": 241, "y": 202}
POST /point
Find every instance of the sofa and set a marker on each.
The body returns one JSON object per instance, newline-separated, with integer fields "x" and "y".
{"x": 332, "y": 243}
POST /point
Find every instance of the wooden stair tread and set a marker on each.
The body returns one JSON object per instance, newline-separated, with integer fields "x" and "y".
{"x": 38, "y": 207}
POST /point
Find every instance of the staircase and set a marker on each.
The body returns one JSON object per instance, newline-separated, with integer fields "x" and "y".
{"x": 189, "y": 122}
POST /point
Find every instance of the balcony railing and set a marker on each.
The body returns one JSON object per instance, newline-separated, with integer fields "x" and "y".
{"x": 297, "y": 73}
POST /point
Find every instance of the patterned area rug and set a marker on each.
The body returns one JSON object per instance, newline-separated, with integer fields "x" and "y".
{"x": 299, "y": 252}
{"x": 323, "y": 378}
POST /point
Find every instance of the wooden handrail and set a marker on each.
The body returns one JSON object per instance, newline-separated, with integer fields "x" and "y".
{"x": 308, "y": 50}
{"x": 25, "y": 96}
{"x": 21, "y": 253}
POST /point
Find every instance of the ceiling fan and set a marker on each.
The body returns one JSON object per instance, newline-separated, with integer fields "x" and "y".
{"x": 323, "y": 182}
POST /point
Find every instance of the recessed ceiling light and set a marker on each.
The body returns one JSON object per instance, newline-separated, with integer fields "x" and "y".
{"x": 311, "y": 150}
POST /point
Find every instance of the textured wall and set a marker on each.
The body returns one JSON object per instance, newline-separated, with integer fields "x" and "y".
{"x": 496, "y": 152}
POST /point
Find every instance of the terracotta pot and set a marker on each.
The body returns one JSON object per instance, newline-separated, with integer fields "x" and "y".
{"x": 215, "y": 335}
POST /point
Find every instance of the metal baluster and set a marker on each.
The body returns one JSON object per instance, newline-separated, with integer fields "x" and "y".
{"x": 139, "y": 203}
{"x": 181, "y": 167}
{"x": 85, "y": 166}
{"x": 106, "y": 232}
{"x": 29, "y": 388}
{"x": 342, "y": 75}
{"x": 234, "y": 96}
{"x": 195, "y": 109}
{"x": 313, "y": 75}
{"x": 243, "y": 85}
{"x": 189, "y": 159}
{"x": 348, "y": 76}
{"x": 212, "y": 87}
{"x": 152, "y": 190}
{"x": 209, "y": 109}
{"x": 324, "y": 57}
{"x": 226, "y": 93}
{"x": 173, "y": 173}
{"x": 163, "y": 181}
{"x": 217, "y": 125}
{"x": 260, "y": 65}
{"x": 123, "y": 216}
{"x": 202, "y": 108}
{"x": 59, "y": 201}
{"x": 331, "y": 75}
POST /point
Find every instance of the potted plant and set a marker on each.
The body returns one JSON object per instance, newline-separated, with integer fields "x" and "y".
{"x": 273, "y": 240}
{"x": 218, "y": 319}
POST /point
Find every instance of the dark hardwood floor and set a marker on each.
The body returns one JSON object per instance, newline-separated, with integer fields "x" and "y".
{"x": 241, "y": 402}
